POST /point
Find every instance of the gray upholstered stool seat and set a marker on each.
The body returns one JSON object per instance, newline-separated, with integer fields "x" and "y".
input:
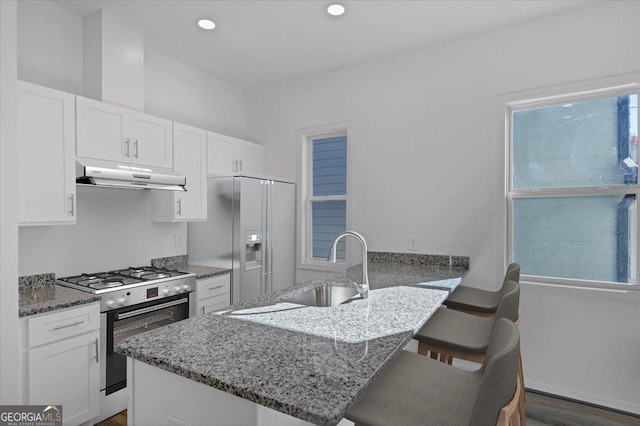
{"x": 415, "y": 390}
{"x": 451, "y": 333}
{"x": 471, "y": 298}
{"x": 452, "y": 329}
{"x": 481, "y": 301}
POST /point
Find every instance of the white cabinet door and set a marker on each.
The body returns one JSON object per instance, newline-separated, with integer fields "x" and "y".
{"x": 103, "y": 131}
{"x": 249, "y": 157}
{"x": 214, "y": 286}
{"x": 46, "y": 159}
{"x": 151, "y": 140}
{"x": 67, "y": 373}
{"x": 228, "y": 155}
{"x": 213, "y": 304}
{"x": 220, "y": 154}
{"x": 190, "y": 160}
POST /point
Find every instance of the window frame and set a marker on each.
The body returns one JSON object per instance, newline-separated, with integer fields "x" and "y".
{"x": 578, "y": 92}
{"x": 306, "y": 197}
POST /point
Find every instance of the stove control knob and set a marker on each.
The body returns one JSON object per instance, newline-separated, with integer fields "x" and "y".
{"x": 186, "y": 287}
{"x": 122, "y": 301}
{"x": 177, "y": 289}
{"x": 165, "y": 291}
{"x": 109, "y": 303}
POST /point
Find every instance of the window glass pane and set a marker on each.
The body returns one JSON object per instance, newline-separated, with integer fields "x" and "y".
{"x": 586, "y": 237}
{"x": 328, "y": 219}
{"x": 330, "y": 166}
{"x": 589, "y": 143}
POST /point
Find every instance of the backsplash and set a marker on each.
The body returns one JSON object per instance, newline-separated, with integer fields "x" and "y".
{"x": 171, "y": 262}
{"x": 419, "y": 259}
{"x": 34, "y": 282}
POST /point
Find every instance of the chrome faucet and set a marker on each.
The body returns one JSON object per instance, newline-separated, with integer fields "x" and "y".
{"x": 363, "y": 289}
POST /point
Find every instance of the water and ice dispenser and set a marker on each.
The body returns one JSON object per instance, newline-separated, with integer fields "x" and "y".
{"x": 253, "y": 249}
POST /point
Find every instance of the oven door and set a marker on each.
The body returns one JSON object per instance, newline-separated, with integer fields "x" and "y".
{"x": 131, "y": 320}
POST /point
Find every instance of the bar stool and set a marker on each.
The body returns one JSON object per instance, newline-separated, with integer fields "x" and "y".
{"x": 415, "y": 390}
{"x": 480, "y": 302}
{"x": 450, "y": 334}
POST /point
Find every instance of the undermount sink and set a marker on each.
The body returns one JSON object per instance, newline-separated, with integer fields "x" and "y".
{"x": 324, "y": 296}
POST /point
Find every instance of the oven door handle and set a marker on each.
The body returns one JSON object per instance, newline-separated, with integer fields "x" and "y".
{"x": 151, "y": 309}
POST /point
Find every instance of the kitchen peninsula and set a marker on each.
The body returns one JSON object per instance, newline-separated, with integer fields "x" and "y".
{"x": 269, "y": 361}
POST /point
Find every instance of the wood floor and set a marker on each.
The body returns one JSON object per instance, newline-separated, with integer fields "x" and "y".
{"x": 542, "y": 410}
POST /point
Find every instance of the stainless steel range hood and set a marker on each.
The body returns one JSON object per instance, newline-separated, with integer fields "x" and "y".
{"x": 128, "y": 176}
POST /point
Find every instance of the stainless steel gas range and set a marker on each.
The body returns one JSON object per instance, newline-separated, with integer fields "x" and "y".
{"x": 133, "y": 300}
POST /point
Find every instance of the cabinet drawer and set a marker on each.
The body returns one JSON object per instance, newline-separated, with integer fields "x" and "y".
{"x": 213, "y": 304}
{"x": 62, "y": 324}
{"x": 213, "y": 286}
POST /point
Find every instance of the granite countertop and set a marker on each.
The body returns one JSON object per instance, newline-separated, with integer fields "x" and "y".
{"x": 39, "y": 294}
{"x": 203, "y": 272}
{"x": 307, "y": 362}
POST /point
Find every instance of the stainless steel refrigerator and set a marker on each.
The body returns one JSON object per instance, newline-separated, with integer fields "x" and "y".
{"x": 250, "y": 229}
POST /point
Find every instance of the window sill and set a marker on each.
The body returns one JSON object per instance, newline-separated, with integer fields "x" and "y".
{"x": 580, "y": 284}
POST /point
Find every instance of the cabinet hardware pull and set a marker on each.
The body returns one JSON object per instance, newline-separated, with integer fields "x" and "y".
{"x": 97, "y": 350}
{"x": 179, "y": 207}
{"x": 235, "y": 165}
{"x": 240, "y": 165}
{"x": 72, "y": 211}
{"x": 60, "y": 327}
{"x": 213, "y": 288}
{"x": 203, "y": 310}
{"x": 126, "y": 142}
{"x": 135, "y": 146}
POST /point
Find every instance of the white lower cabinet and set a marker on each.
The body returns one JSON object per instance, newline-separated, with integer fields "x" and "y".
{"x": 213, "y": 294}
{"x": 62, "y": 365}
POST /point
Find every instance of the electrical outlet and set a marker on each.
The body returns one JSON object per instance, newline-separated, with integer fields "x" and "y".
{"x": 413, "y": 244}
{"x": 178, "y": 239}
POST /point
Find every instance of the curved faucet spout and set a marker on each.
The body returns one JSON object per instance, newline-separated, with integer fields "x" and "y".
{"x": 363, "y": 289}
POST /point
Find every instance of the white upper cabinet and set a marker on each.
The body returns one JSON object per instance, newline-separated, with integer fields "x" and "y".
{"x": 249, "y": 157}
{"x": 151, "y": 140}
{"x": 46, "y": 158}
{"x": 109, "y": 132}
{"x": 230, "y": 155}
{"x": 103, "y": 131}
{"x": 190, "y": 161}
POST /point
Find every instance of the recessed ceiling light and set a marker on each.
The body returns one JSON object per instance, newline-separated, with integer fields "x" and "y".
{"x": 335, "y": 9}
{"x": 207, "y": 24}
{"x": 567, "y": 105}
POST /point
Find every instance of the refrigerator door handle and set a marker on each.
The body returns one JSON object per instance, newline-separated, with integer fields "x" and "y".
{"x": 270, "y": 240}
{"x": 264, "y": 275}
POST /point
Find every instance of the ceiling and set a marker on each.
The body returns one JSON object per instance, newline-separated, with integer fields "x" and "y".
{"x": 262, "y": 42}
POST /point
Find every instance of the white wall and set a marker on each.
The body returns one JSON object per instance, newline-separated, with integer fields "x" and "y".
{"x": 428, "y": 161}
{"x": 10, "y": 386}
{"x": 50, "y": 46}
{"x": 183, "y": 94}
{"x": 113, "y": 229}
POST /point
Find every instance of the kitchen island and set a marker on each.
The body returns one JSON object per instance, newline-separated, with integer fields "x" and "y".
{"x": 270, "y": 361}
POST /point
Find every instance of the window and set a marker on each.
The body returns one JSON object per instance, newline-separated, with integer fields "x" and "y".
{"x": 573, "y": 186}
{"x": 324, "y": 190}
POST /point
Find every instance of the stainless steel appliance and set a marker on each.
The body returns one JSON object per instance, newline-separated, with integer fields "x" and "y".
{"x": 250, "y": 229}
{"x": 134, "y": 300}
{"x": 111, "y": 174}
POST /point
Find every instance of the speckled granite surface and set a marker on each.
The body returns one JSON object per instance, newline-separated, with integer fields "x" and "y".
{"x": 203, "y": 272}
{"x": 385, "y": 274}
{"x": 299, "y": 373}
{"x": 387, "y": 311}
{"x": 51, "y": 297}
{"x": 181, "y": 263}
{"x": 32, "y": 282}
{"x": 172, "y": 262}
{"x": 419, "y": 259}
